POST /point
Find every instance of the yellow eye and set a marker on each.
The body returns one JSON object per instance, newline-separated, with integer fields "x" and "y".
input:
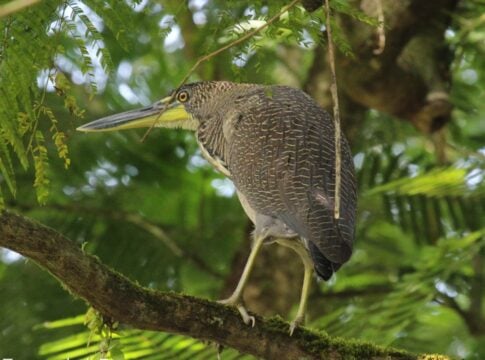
{"x": 183, "y": 96}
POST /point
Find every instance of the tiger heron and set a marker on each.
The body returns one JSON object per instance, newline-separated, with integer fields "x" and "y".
{"x": 278, "y": 147}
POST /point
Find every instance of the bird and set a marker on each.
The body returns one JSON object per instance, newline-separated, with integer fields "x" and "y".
{"x": 277, "y": 145}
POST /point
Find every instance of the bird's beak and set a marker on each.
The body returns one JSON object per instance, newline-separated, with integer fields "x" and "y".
{"x": 161, "y": 114}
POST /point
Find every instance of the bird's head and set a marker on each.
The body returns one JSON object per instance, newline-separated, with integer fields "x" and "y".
{"x": 181, "y": 109}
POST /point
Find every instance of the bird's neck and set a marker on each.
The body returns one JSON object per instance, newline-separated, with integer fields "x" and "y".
{"x": 212, "y": 143}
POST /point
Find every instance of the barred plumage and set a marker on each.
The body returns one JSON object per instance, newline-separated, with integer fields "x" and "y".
{"x": 280, "y": 153}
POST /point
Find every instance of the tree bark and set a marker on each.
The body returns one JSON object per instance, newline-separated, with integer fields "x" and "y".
{"x": 120, "y": 300}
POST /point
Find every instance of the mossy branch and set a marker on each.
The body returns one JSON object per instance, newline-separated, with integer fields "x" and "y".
{"x": 119, "y": 299}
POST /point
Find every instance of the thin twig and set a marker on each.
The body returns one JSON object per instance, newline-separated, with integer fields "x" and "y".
{"x": 14, "y": 6}
{"x": 204, "y": 58}
{"x": 336, "y": 111}
{"x": 238, "y": 41}
{"x": 381, "y": 33}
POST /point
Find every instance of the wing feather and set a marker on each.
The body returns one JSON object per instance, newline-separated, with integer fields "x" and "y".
{"x": 282, "y": 159}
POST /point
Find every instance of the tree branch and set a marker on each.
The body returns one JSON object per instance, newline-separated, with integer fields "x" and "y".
{"x": 119, "y": 299}
{"x": 14, "y": 6}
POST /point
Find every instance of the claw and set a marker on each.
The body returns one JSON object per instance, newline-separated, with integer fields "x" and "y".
{"x": 245, "y": 316}
{"x": 247, "y": 319}
{"x": 295, "y": 323}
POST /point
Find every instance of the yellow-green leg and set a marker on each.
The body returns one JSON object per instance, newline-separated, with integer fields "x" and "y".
{"x": 305, "y": 291}
{"x": 307, "y": 280}
{"x": 236, "y": 298}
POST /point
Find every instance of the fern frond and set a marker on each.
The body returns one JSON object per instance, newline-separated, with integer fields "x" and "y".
{"x": 6, "y": 168}
{"x": 430, "y": 205}
{"x": 93, "y": 35}
{"x": 439, "y": 182}
{"x": 410, "y": 295}
{"x": 133, "y": 344}
{"x": 58, "y": 136}
{"x": 32, "y": 41}
{"x": 41, "y": 166}
{"x": 116, "y": 15}
{"x": 340, "y": 41}
{"x": 342, "y": 6}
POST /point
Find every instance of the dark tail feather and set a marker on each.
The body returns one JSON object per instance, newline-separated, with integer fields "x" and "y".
{"x": 324, "y": 267}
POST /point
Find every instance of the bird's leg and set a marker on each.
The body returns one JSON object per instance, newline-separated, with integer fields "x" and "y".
{"x": 298, "y": 247}
{"x": 305, "y": 291}
{"x": 236, "y": 298}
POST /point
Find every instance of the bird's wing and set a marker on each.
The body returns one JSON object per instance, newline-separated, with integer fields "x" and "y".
{"x": 282, "y": 158}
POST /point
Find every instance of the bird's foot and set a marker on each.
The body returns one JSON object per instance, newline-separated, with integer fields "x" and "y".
{"x": 299, "y": 320}
{"x": 247, "y": 319}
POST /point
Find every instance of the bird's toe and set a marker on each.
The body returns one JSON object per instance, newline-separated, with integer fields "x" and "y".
{"x": 230, "y": 301}
{"x": 295, "y": 323}
{"x": 233, "y": 301}
{"x": 248, "y": 319}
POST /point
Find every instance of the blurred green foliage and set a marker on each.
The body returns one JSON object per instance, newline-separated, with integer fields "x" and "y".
{"x": 157, "y": 212}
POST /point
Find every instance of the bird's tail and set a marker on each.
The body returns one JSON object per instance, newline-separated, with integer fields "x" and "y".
{"x": 323, "y": 267}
